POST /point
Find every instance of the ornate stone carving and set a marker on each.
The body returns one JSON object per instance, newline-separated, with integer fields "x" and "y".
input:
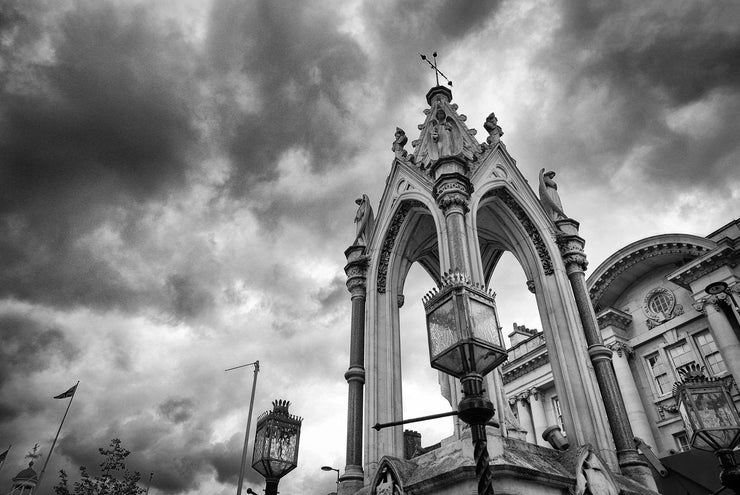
{"x": 453, "y": 193}
{"x": 387, "y": 483}
{"x": 494, "y": 130}
{"x": 535, "y": 393}
{"x": 593, "y": 476}
{"x": 600, "y": 285}
{"x": 513, "y": 400}
{"x": 529, "y": 227}
{"x": 399, "y": 142}
{"x": 622, "y": 349}
{"x": 715, "y": 300}
{"x": 530, "y": 286}
{"x": 613, "y": 317}
{"x": 656, "y": 318}
{"x": 390, "y": 240}
{"x": 549, "y": 196}
{"x": 571, "y": 249}
{"x": 364, "y": 220}
{"x": 400, "y": 299}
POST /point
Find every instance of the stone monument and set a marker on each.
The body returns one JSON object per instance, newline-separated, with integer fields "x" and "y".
{"x": 454, "y": 205}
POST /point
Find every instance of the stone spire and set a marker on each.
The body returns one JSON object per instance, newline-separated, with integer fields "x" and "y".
{"x": 444, "y": 132}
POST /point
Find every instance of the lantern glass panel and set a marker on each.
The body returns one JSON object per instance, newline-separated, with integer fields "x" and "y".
{"x": 485, "y": 326}
{"x": 275, "y": 447}
{"x": 443, "y": 331}
{"x": 710, "y": 417}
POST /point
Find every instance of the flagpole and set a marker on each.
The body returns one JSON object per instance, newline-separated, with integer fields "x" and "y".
{"x": 46, "y": 462}
{"x": 249, "y": 421}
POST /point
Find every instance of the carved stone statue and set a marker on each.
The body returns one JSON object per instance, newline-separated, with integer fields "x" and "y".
{"x": 399, "y": 143}
{"x": 549, "y": 196}
{"x": 388, "y": 486}
{"x": 364, "y": 221}
{"x": 494, "y": 130}
{"x": 446, "y": 135}
{"x": 592, "y": 475}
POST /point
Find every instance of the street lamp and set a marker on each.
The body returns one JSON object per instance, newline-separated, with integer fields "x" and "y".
{"x": 329, "y": 468}
{"x": 464, "y": 342}
{"x": 276, "y": 444}
{"x": 711, "y": 420}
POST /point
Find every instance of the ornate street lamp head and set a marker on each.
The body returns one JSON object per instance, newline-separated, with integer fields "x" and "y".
{"x": 462, "y": 327}
{"x": 276, "y": 441}
{"x": 707, "y": 410}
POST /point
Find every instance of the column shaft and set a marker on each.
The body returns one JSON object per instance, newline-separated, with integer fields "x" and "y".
{"x": 629, "y": 460}
{"x": 353, "y": 477}
{"x": 725, "y": 337}
{"x": 539, "y": 419}
{"x": 525, "y": 418}
{"x": 631, "y": 397}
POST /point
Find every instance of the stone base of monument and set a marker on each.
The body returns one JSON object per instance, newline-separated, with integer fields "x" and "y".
{"x": 518, "y": 467}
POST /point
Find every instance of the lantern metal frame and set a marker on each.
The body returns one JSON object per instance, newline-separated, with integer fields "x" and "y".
{"x": 274, "y": 429}
{"x": 465, "y": 342}
{"x": 462, "y": 328}
{"x": 710, "y": 418}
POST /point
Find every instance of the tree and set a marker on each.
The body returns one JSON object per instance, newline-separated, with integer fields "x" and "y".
{"x": 115, "y": 480}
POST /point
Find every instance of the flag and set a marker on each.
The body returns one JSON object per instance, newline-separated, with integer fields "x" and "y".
{"x": 3, "y": 456}
{"x": 67, "y": 394}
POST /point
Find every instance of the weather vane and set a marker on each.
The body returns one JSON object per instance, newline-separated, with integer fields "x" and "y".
{"x": 34, "y": 454}
{"x": 437, "y": 72}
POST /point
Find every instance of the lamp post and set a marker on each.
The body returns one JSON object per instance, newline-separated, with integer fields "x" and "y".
{"x": 276, "y": 444}
{"x": 329, "y": 468}
{"x": 711, "y": 420}
{"x": 464, "y": 342}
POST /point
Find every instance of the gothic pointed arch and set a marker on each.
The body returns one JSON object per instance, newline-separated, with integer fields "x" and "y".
{"x": 388, "y": 479}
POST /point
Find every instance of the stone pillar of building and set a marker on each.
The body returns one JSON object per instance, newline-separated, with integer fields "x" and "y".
{"x": 525, "y": 418}
{"x": 539, "y": 419}
{"x": 356, "y": 270}
{"x": 723, "y": 331}
{"x": 452, "y": 190}
{"x": 571, "y": 247}
{"x": 627, "y": 385}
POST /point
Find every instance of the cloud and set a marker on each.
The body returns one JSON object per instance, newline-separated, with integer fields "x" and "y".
{"x": 95, "y": 122}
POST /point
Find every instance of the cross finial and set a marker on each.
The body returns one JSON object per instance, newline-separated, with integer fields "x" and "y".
{"x": 437, "y": 72}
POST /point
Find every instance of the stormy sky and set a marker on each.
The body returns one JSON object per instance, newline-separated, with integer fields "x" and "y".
{"x": 177, "y": 185}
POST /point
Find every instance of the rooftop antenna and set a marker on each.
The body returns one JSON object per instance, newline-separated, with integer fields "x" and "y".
{"x": 437, "y": 72}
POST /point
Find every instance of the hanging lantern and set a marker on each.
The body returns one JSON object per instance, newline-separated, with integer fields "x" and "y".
{"x": 276, "y": 442}
{"x": 462, "y": 328}
{"x": 708, "y": 412}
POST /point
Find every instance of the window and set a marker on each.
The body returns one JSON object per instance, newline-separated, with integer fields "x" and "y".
{"x": 708, "y": 348}
{"x": 682, "y": 441}
{"x": 660, "y": 375}
{"x": 681, "y": 354}
{"x": 660, "y": 304}
{"x": 558, "y": 413}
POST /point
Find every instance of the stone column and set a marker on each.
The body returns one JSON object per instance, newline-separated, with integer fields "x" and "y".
{"x": 571, "y": 248}
{"x": 525, "y": 418}
{"x": 539, "y": 420}
{"x": 356, "y": 269}
{"x": 628, "y": 387}
{"x": 716, "y": 308}
{"x": 452, "y": 191}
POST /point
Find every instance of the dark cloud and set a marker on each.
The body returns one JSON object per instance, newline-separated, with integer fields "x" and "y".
{"x": 646, "y": 87}
{"x": 95, "y": 121}
{"x": 28, "y": 347}
{"x": 177, "y": 409}
{"x": 189, "y": 296}
{"x": 333, "y": 295}
{"x": 297, "y": 66}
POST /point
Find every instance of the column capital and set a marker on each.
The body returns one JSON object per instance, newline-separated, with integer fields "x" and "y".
{"x": 535, "y": 393}
{"x": 713, "y": 301}
{"x": 621, "y": 348}
{"x": 513, "y": 400}
{"x": 571, "y": 249}
{"x": 356, "y": 270}
{"x": 523, "y": 397}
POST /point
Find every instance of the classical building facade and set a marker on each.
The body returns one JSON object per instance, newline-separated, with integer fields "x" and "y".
{"x": 662, "y": 302}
